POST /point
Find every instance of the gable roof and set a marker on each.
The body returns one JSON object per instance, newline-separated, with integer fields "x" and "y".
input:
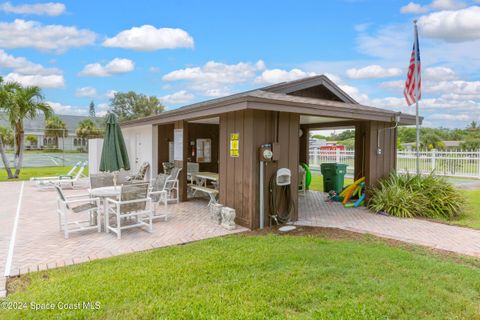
{"x": 286, "y": 96}
{"x": 37, "y": 125}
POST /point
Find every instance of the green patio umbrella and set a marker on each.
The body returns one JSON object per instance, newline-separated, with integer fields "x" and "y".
{"x": 114, "y": 153}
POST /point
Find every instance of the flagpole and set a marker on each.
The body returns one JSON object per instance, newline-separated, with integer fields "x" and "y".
{"x": 417, "y": 122}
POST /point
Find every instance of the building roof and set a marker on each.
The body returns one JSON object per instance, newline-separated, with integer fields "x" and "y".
{"x": 37, "y": 125}
{"x": 316, "y": 95}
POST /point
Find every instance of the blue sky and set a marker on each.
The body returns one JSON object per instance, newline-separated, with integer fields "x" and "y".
{"x": 188, "y": 51}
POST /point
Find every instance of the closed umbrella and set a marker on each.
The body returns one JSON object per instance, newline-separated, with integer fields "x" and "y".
{"x": 114, "y": 153}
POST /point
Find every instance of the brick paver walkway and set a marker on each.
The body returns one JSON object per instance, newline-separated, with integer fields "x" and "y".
{"x": 39, "y": 243}
{"x": 315, "y": 211}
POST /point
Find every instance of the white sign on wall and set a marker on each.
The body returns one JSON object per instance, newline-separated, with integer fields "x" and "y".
{"x": 178, "y": 144}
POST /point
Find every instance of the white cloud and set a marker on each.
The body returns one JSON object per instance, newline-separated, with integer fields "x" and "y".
{"x": 149, "y": 38}
{"x": 271, "y": 76}
{"x": 177, "y": 98}
{"x": 452, "y": 26}
{"x": 43, "y": 81}
{"x": 23, "y": 66}
{"x": 413, "y": 8}
{"x": 439, "y": 74}
{"x": 67, "y": 109}
{"x": 460, "y": 87}
{"x": 416, "y": 8}
{"x": 154, "y": 69}
{"x": 372, "y": 72}
{"x": 48, "y": 9}
{"x": 115, "y": 66}
{"x": 394, "y": 85}
{"x": 110, "y": 94}
{"x": 28, "y": 73}
{"x": 86, "y": 92}
{"x": 215, "y": 78}
{"x": 452, "y": 117}
{"x": 32, "y": 34}
{"x": 447, "y": 4}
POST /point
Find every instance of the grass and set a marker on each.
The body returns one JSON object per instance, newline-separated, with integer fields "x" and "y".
{"x": 317, "y": 182}
{"x": 27, "y": 173}
{"x": 471, "y": 216}
{"x": 261, "y": 277}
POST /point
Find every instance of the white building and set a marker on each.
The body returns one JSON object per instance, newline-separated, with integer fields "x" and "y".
{"x": 36, "y": 127}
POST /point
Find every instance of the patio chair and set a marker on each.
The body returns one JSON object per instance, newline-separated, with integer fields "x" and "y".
{"x": 140, "y": 175}
{"x": 68, "y": 180}
{"x": 171, "y": 185}
{"x": 75, "y": 206}
{"x": 159, "y": 194}
{"x": 192, "y": 168}
{"x": 99, "y": 180}
{"x": 167, "y": 167}
{"x": 134, "y": 204}
{"x": 68, "y": 174}
{"x": 301, "y": 180}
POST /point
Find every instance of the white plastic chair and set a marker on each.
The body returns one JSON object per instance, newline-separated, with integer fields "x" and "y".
{"x": 74, "y": 206}
{"x": 134, "y": 204}
{"x": 68, "y": 174}
{"x": 63, "y": 181}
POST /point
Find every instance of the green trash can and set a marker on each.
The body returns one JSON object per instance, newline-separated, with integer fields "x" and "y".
{"x": 333, "y": 176}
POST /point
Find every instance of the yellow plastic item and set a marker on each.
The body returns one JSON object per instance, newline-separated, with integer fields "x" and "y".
{"x": 349, "y": 191}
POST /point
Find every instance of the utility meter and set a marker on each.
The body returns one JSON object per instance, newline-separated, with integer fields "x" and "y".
{"x": 266, "y": 153}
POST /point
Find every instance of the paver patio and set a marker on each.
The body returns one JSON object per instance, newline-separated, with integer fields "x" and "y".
{"x": 315, "y": 211}
{"x": 40, "y": 245}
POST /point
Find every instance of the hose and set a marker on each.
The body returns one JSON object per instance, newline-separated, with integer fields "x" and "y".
{"x": 277, "y": 195}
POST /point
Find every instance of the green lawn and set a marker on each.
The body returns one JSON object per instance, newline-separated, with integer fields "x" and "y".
{"x": 27, "y": 173}
{"x": 317, "y": 182}
{"x": 262, "y": 277}
{"x": 471, "y": 216}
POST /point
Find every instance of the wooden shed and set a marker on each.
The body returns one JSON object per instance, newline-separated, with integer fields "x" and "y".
{"x": 237, "y": 126}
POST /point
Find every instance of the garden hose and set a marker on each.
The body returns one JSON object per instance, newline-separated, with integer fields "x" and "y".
{"x": 279, "y": 194}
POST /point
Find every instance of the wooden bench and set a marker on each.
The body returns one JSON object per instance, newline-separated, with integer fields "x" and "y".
{"x": 211, "y": 192}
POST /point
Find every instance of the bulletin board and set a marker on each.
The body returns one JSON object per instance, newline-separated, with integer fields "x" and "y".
{"x": 204, "y": 150}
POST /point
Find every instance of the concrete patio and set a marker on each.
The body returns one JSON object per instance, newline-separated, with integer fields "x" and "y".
{"x": 30, "y": 218}
{"x": 315, "y": 211}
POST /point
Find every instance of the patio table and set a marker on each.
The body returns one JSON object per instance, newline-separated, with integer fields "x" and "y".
{"x": 103, "y": 193}
{"x": 203, "y": 177}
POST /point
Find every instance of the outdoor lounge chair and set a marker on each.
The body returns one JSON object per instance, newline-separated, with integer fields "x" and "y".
{"x": 68, "y": 180}
{"x": 75, "y": 206}
{"x": 171, "y": 185}
{"x": 69, "y": 174}
{"x": 134, "y": 209}
{"x": 140, "y": 176}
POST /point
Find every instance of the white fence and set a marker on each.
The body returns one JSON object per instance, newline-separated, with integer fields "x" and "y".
{"x": 446, "y": 163}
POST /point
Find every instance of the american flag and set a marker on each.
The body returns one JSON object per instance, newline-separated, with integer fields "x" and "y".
{"x": 411, "y": 84}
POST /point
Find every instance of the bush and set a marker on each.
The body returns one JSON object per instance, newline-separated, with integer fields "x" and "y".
{"x": 417, "y": 196}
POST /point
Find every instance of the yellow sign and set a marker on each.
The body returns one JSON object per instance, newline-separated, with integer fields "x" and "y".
{"x": 234, "y": 145}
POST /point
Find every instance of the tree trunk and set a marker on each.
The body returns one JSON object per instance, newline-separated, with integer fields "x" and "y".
{"x": 19, "y": 150}
{"x": 5, "y": 160}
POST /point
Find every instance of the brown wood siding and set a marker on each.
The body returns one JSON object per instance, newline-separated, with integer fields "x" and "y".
{"x": 239, "y": 177}
{"x": 379, "y": 165}
{"x": 165, "y": 135}
{"x": 205, "y": 131}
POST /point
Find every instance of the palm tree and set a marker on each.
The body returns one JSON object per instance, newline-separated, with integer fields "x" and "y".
{"x": 22, "y": 103}
{"x": 55, "y": 127}
{"x": 7, "y": 91}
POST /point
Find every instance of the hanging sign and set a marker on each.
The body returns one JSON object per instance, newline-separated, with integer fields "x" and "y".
{"x": 178, "y": 144}
{"x": 234, "y": 145}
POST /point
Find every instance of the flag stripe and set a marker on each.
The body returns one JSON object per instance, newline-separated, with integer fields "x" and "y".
{"x": 413, "y": 82}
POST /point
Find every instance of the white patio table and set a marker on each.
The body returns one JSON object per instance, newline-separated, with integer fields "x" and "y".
{"x": 103, "y": 193}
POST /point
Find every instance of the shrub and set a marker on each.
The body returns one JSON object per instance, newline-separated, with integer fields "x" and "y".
{"x": 416, "y": 196}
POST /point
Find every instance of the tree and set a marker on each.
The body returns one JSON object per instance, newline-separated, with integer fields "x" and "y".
{"x": 20, "y": 103}
{"x": 91, "y": 109}
{"x": 319, "y": 136}
{"x": 88, "y": 129}
{"x": 431, "y": 140}
{"x": 473, "y": 126}
{"x": 6, "y": 135}
{"x": 33, "y": 140}
{"x": 470, "y": 144}
{"x": 131, "y": 105}
{"x": 56, "y": 128}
